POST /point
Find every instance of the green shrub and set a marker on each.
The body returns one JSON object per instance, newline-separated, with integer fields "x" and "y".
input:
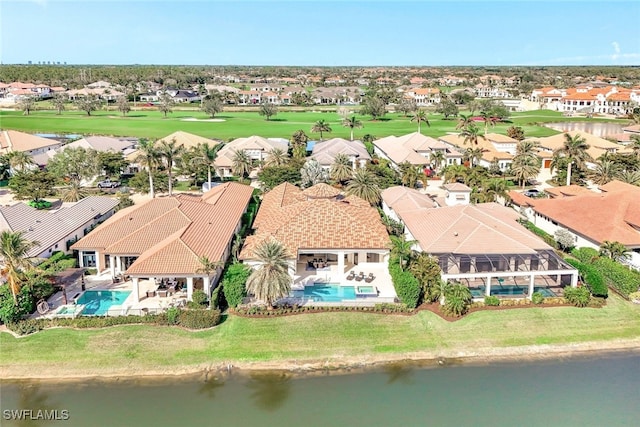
{"x": 215, "y": 297}
{"x": 26, "y": 327}
{"x": 233, "y": 284}
{"x": 618, "y": 276}
{"x": 10, "y": 311}
{"x": 173, "y": 314}
{"x": 585, "y": 255}
{"x": 199, "y": 319}
{"x": 92, "y": 271}
{"x": 407, "y": 286}
{"x": 537, "y": 298}
{"x": 548, "y": 238}
{"x": 577, "y": 296}
{"x": 592, "y": 278}
{"x": 455, "y": 306}
{"x": 199, "y": 298}
{"x": 492, "y": 301}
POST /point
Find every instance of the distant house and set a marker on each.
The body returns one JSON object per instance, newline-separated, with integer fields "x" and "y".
{"x": 424, "y": 96}
{"x": 415, "y": 149}
{"x": 98, "y": 143}
{"x": 55, "y": 230}
{"x": 13, "y": 140}
{"x": 325, "y": 152}
{"x": 256, "y": 147}
{"x": 166, "y": 237}
{"x": 490, "y": 154}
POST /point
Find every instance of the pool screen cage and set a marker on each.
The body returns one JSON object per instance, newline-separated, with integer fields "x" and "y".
{"x": 546, "y": 260}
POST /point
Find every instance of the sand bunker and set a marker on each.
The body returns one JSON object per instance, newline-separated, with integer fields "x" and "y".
{"x": 193, "y": 119}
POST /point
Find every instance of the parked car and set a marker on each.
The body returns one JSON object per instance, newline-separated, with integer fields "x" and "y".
{"x": 532, "y": 193}
{"x": 107, "y": 183}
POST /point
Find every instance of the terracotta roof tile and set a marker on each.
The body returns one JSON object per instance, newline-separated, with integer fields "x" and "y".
{"x": 321, "y": 191}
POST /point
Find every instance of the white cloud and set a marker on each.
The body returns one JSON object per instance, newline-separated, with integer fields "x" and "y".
{"x": 616, "y": 49}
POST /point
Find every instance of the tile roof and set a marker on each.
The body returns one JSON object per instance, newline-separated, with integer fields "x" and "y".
{"x": 597, "y": 146}
{"x": 12, "y": 140}
{"x": 170, "y": 234}
{"x": 326, "y": 151}
{"x": 100, "y": 143}
{"x": 489, "y": 151}
{"x": 257, "y": 143}
{"x": 496, "y": 138}
{"x": 611, "y": 215}
{"x": 301, "y": 223}
{"x": 49, "y": 227}
{"x": 405, "y": 199}
{"x": 566, "y": 190}
{"x": 321, "y": 191}
{"x": 398, "y": 153}
{"x": 457, "y": 186}
{"x": 188, "y": 140}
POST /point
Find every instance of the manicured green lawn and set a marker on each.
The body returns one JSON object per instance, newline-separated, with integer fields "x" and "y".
{"x": 151, "y": 124}
{"x": 310, "y": 336}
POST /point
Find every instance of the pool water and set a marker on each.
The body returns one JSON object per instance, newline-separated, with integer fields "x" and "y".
{"x": 327, "y": 292}
{"x": 366, "y": 290}
{"x": 511, "y": 290}
{"x": 98, "y": 303}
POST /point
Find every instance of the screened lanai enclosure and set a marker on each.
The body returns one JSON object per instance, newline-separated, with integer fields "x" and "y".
{"x": 509, "y": 275}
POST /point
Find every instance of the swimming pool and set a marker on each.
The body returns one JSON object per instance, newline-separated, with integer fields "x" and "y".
{"x": 327, "y": 292}
{"x": 510, "y": 290}
{"x": 98, "y": 303}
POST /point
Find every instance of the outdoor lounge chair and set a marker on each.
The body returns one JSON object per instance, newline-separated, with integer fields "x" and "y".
{"x": 369, "y": 278}
{"x": 359, "y": 277}
{"x": 351, "y": 275}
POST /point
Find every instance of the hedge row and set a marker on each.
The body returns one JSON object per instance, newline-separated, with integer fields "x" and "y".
{"x": 548, "y": 238}
{"x": 407, "y": 286}
{"x": 619, "y": 277}
{"x": 592, "y": 277}
{"x": 260, "y": 311}
{"x": 190, "y": 319}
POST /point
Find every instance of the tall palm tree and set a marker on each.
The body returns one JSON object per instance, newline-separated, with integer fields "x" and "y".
{"x": 402, "y": 248}
{"x": 471, "y": 134}
{"x": 207, "y": 267}
{"x": 299, "y": 144}
{"x": 630, "y": 177}
{"x": 19, "y": 160}
{"x": 421, "y": 117}
{"x": 277, "y": 157}
{"x": 364, "y": 184}
{"x": 635, "y": 145}
{"x": 614, "y": 250}
{"x": 149, "y": 158}
{"x": 437, "y": 158}
{"x": 473, "y": 155}
{"x": 351, "y": 123}
{"x": 321, "y": 126}
{"x": 575, "y": 150}
{"x": 527, "y": 148}
{"x": 524, "y": 167}
{"x": 605, "y": 171}
{"x": 410, "y": 175}
{"x": 13, "y": 251}
{"x": 464, "y": 121}
{"x": 488, "y": 121}
{"x": 455, "y": 172}
{"x": 206, "y": 154}
{"x": 241, "y": 164}
{"x": 342, "y": 168}
{"x": 494, "y": 188}
{"x": 74, "y": 192}
{"x": 170, "y": 152}
{"x": 271, "y": 280}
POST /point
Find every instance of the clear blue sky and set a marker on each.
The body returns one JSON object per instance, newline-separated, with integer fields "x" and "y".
{"x": 321, "y": 33}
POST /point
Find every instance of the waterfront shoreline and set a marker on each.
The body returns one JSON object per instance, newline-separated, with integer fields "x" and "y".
{"x": 333, "y": 365}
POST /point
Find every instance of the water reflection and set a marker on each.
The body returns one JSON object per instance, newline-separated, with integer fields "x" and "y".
{"x": 210, "y": 386}
{"x": 31, "y": 397}
{"x": 594, "y": 128}
{"x": 397, "y": 372}
{"x": 270, "y": 391}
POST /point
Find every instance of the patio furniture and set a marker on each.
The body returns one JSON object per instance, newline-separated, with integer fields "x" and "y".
{"x": 162, "y": 292}
{"x": 151, "y": 294}
{"x": 360, "y": 276}
{"x": 369, "y": 278}
{"x": 351, "y": 275}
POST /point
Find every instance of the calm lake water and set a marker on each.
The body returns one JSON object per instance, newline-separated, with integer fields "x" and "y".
{"x": 591, "y": 391}
{"x": 597, "y": 129}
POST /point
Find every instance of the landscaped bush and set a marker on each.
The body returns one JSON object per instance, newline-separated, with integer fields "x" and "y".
{"x": 457, "y": 300}
{"x": 172, "y": 315}
{"x": 26, "y": 327}
{"x": 407, "y": 286}
{"x": 199, "y": 319}
{"x": 592, "y": 277}
{"x": 537, "y": 298}
{"x": 577, "y": 296}
{"x": 234, "y": 280}
{"x": 585, "y": 255}
{"x": 215, "y": 297}
{"x": 198, "y": 299}
{"x": 548, "y": 238}
{"x": 10, "y": 311}
{"x": 492, "y": 301}
{"x": 619, "y": 277}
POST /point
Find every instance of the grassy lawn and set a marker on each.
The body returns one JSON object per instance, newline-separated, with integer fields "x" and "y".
{"x": 151, "y": 124}
{"x": 311, "y": 336}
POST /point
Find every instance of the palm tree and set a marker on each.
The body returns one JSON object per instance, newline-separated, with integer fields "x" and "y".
{"x": 241, "y": 164}
{"x": 402, "y": 248}
{"x": 471, "y": 133}
{"x": 437, "y": 158}
{"x": 605, "y": 171}
{"x": 364, "y": 184}
{"x": 455, "y": 172}
{"x": 473, "y": 155}
{"x": 170, "y": 152}
{"x": 74, "y": 192}
{"x": 614, "y": 250}
{"x": 488, "y": 121}
{"x": 19, "y": 160}
{"x": 635, "y": 145}
{"x": 441, "y": 290}
{"x": 150, "y": 158}
{"x": 527, "y": 148}
{"x": 299, "y": 144}
{"x": 277, "y": 157}
{"x": 575, "y": 150}
{"x": 271, "y": 280}
{"x": 342, "y": 168}
{"x": 321, "y": 126}
{"x": 13, "y": 251}
{"x": 207, "y": 267}
{"x": 236, "y": 246}
{"x": 630, "y": 177}
{"x": 206, "y": 154}
{"x": 525, "y": 167}
{"x": 350, "y": 123}
{"x": 494, "y": 188}
{"x": 421, "y": 117}
{"x": 464, "y": 121}
{"x": 411, "y": 175}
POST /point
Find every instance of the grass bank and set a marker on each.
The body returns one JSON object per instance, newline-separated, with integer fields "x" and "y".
{"x": 151, "y": 123}
{"x": 337, "y": 337}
